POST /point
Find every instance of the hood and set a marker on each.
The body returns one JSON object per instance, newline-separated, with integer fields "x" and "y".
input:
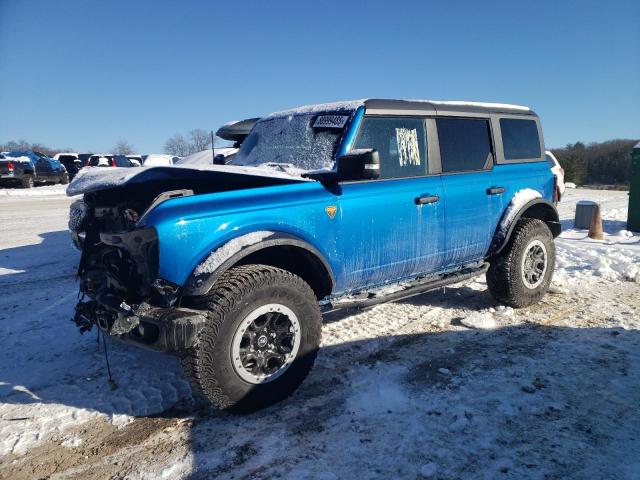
{"x": 93, "y": 179}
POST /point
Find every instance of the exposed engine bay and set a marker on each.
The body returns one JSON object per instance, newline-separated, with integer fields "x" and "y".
{"x": 120, "y": 290}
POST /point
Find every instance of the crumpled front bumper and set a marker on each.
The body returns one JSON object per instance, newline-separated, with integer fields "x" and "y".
{"x": 168, "y": 329}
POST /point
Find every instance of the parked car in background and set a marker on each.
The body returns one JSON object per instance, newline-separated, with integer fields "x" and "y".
{"x": 558, "y": 171}
{"x": 17, "y": 170}
{"x": 160, "y": 160}
{"x": 40, "y": 169}
{"x": 136, "y": 160}
{"x": 222, "y": 156}
{"x": 52, "y": 171}
{"x": 108, "y": 160}
{"x": 84, "y": 158}
{"x": 71, "y": 162}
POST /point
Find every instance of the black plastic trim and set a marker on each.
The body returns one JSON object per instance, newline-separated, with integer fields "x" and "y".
{"x": 500, "y": 241}
{"x": 201, "y": 284}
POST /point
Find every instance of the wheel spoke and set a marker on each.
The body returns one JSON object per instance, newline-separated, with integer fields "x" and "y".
{"x": 265, "y": 343}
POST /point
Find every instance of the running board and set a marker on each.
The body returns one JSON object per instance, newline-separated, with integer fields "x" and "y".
{"x": 423, "y": 286}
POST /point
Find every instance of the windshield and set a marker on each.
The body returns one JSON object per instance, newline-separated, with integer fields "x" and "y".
{"x": 290, "y": 144}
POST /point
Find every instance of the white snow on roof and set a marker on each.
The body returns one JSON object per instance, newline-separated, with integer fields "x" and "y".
{"x": 457, "y": 103}
{"x": 319, "y": 107}
{"x": 351, "y": 105}
{"x": 637, "y": 145}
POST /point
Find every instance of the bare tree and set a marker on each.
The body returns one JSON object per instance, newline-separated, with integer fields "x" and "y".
{"x": 200, "y": 140}
{"x": 123, "y": 148}
{"x": 177, "y": 145}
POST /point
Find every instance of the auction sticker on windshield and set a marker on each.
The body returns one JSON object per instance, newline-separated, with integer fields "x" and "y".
{"x": 331, "y": 121}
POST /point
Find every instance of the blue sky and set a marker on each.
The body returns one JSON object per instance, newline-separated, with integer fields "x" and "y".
{"x": 84, "y": 74}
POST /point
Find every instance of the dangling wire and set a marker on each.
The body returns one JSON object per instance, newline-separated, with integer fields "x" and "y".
{"x": 112, "y": 384}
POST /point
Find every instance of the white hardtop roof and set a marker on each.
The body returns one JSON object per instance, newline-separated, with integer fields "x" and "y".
{"x": 413, "y": 105}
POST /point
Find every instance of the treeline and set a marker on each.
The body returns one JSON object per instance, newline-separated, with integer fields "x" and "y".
{"x": 606, "y": 163}
{"x": 122, "y": 147}
{"x": 22, "y": 145}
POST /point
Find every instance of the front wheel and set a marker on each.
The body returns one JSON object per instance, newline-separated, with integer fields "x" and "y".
{"x": 260, "y": 339}
{"x": 64, "y": 179}
{"x": 520, "y": 275}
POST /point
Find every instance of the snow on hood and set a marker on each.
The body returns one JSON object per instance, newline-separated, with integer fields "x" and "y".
{"x": 92, "y": 179}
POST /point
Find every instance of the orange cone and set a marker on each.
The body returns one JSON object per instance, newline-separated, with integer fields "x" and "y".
{"x": 595, "y": 229}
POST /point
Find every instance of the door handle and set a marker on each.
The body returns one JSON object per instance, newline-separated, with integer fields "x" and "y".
{"x": 495, "y": 190}
{"x": 424, "y": 199}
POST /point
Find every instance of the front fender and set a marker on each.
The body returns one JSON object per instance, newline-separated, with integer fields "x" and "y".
{"x": 232, "y": 252}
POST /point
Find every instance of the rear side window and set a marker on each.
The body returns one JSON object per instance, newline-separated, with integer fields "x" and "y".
{"x": 520, "y": 139}
{"x": 400, "y": 142}
{"x": 465, "y": 144}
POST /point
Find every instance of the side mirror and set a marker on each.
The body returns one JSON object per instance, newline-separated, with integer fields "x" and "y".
{"x": 219, "y": 159}
{"x": 362, "y": 164}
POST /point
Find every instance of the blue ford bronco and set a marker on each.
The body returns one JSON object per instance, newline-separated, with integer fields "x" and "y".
{"x": 328, "y": 206}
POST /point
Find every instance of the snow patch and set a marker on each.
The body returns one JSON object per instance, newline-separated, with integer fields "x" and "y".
{"x": 519, "y": 200}
{"x": 71, "y": 442}
{"x": 226, "y": 251}
{"x": 378, "y": 393}
{"x": 45, "y": 190}
{"x": 482, "y": 320}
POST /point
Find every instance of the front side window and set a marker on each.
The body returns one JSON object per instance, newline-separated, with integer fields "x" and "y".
{"x": 465, "y": 144}
{"x": 520, "y": 138}
{"x": 400, "y": 142}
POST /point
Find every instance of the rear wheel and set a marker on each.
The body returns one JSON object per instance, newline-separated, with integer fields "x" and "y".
{"x": 520, "y": 275}
{"x": 64, "y": 179}
{"x": 260, "y": 339}
{"x": 27, "y": 182}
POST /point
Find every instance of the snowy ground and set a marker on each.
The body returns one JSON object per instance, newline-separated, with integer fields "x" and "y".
{"x": 444, "y": 385}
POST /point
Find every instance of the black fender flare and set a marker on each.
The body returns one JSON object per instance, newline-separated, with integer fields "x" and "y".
{"x": 536, "y": 208}
{"x": 202, "y": 283}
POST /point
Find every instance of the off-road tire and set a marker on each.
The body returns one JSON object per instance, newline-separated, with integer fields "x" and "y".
{"x": 505, "y": 278}
{"x": 27, "y": 182}
{"x": 241, "y": 290}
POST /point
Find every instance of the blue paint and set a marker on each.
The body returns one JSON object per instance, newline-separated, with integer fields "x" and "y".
{"x": 378, "y": 234}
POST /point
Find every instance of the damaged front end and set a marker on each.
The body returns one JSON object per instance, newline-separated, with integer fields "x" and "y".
{"x": 121, "y": 293}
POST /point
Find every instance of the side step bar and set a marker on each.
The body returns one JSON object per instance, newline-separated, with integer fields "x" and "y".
{"x": 422, "y": 286}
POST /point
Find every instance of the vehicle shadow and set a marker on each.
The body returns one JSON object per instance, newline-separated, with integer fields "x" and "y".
{"x": 51, "y": 259}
